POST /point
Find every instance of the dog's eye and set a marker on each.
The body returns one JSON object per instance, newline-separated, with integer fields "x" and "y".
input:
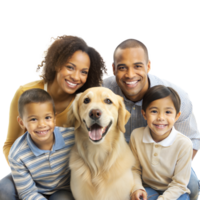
{"x": 86, "y": 100}
{"x": 108, "y": 101}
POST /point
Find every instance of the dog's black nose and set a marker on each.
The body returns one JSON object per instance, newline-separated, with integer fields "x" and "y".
{"x": 95, "y": 114}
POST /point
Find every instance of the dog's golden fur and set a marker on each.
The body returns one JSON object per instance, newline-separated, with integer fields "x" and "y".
{"x": 100, "y": 169}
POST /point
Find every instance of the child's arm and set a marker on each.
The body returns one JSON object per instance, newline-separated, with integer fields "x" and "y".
{"x": 24, "y": 183}
{"x": 182, "y": 172}
{"x": 136, "y": 169}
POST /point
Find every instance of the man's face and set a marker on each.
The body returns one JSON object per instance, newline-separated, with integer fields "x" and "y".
{"x": 131, "y": 68}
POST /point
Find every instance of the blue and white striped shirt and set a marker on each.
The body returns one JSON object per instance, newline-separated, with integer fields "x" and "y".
{"x": 186, "y": 123}
{"x": 35, "y": 171}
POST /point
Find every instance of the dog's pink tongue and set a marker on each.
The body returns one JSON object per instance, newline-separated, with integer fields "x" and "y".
{"x": 96, "y": 132}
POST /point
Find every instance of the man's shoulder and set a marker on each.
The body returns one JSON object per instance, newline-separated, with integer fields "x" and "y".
{"x": 158, "y": 81}
{"x": 110, "y": 82}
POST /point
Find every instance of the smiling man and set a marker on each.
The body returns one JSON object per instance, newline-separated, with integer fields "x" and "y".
{"x": 131, "y": 80}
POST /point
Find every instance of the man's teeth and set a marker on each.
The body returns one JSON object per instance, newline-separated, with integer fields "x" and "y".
{"x": 131, "y": 83}
{"x": 72, "y": 84}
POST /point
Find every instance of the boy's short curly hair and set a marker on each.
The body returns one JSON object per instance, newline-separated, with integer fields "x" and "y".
{"x": 61, "y": 50}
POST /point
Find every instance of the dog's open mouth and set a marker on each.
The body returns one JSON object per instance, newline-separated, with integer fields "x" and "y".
{"x": 96, "y": 132}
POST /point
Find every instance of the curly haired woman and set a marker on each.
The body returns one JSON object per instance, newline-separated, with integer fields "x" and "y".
{"x": 70, "y": 66}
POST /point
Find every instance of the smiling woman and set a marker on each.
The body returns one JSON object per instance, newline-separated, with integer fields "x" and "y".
{"x": 68, "y": 64}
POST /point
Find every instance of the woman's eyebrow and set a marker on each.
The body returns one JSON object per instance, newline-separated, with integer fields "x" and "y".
{"x": 75, "y": 65}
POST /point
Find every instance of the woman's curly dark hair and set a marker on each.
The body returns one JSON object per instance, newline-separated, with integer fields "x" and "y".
{"x": 61, "y": 50}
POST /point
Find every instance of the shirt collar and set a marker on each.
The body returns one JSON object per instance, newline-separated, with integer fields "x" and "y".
{"x": 58, "y": 144}
{"x": 166, "y": 142}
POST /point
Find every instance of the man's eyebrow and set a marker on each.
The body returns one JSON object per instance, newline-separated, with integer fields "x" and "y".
{"x": 121, "y": 65}
{"x": 138, "y": 63}
{"x": 124, "y": 65}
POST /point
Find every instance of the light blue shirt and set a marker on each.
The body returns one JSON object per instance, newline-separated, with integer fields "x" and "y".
{"x": 186, "y": 123}
{"x": 35, "y": 171}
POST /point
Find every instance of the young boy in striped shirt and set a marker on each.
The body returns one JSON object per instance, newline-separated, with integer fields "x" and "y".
{"x": 39, "y": 158}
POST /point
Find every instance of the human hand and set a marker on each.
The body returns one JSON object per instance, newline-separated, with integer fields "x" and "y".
{"x": 138, "y": 195}
{"x": 195, "y": 154}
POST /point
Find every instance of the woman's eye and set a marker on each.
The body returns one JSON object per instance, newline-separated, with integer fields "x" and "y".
{"x": 85, "y": 72}
{"x": 108, "y": 101}
{"x": 86, "y": 100}
{"x": 70, "y": 67}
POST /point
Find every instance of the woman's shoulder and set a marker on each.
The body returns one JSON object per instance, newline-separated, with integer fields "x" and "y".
{"x": 34, "y": 84}
{"x": 23, "y": 88}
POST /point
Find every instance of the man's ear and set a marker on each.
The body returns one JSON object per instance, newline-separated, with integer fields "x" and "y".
{"x": 20, "y": 121}
{"x": 150, "y": 65}
{"x": 112, "y": 67}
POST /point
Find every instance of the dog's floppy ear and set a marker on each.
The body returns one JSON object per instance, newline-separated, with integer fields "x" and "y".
{"x": 73, "y": 119}
{"x": 123, "y": 115}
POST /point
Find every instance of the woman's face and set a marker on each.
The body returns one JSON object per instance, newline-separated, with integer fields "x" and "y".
{"x": 73, "y": 74}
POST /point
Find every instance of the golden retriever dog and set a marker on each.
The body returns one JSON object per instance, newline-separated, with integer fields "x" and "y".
{"x": 101, "y": 160}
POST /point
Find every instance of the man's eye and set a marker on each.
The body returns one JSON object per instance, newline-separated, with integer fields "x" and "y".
{"x": 137, "y": 66}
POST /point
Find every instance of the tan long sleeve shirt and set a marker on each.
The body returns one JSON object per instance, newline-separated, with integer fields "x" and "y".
{"x": 165, "y": 165}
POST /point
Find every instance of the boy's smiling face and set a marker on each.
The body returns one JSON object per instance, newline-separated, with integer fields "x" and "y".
{"x": 39, "y": 120}
{"x": 161, "y": 116}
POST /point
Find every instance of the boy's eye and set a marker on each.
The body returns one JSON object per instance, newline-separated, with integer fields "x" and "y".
{"x": 33, "y": 119}
{"x": 48, "y": 117}
{"x": 168, "y": 112}
{"x": 153, "y": 111}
